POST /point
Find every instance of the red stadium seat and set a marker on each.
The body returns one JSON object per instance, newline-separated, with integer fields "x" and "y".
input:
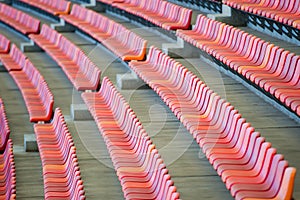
{"x": 161, "y": 13}
{"x": 286, "y": 12}
{"x": 37, "y": 96}
{"x": 140, "y": 169}
{"x": 264, "y": 65}
{"x": 15, "y": 60}
{"x": 7, "y": 173}
{"x": 121, "y": 41}
{"x": 84, "y": 74}
{"x": 19, "y": 20}
{"x": 4, "y": 128}
{"x": 4, "y": 44}
{"x": 230, "y": 144}
{"x": 60, "y": 166}
{"x": 55, "y": 7}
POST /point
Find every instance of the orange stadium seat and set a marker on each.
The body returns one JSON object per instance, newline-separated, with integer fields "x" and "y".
{"x": 286, "y": 12}
{"x": 228, "y": 141}
{"x": 55, "y": 7}
{"x": 60, "y": 166}
{"x": 84, "y": 74}
{"x": 161, "y": 13}
{"x": 141, "y": 171}
{"x": 14, "y": 61}
{"x": 7, "y": 173}
{"x": 4, "y": 128}
{"x": 37, "y": 96}
{"x": 4, "y": 45}
{"x": 19, "y": 20}
{"x": 121, "y": 41}
{"x": 267, "y": 66}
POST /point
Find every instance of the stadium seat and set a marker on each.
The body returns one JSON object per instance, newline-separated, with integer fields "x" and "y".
{"x": 55, "y": 7}
{"x": 164, "y": 14}
{"x": 19, "y": 20}
{"x": 15, "y": 60}
{"x": 7, "y": 173}
{"x": 4, "y": 45}
{"x": 286, "y": 12}
{"x": 121, "y": 41}
{"x": 4, "y": 128}
{"x": 36, "y": 94}
{"x": 110, "y": 1}
{"x": 58, "y": 154}
{"x": 140, "y": 169}
{"x": 80, "y": 70}
{"x": 264, "y": 65}
{"x": 230, "y": 143}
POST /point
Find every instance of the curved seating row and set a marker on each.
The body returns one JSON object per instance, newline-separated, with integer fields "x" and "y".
{"x": 37, "y": 96}
{"x": 110, "y": 1}
{"x": 79, "y": 69}
{"x": 124, "y": 43}
{"x": 19, "y": 20}
{"x": 273, "y": 69}
{"x": 55, "y": 7}
{"x": 164, "y": 14}
{"x": 286, "y": 12}
{"x": 4, "y": 44}
{"x": 4, "y": 128}
{"x": 58, "y": 154}
{"x": 247, "y": 164}
{"x": 14, "y": 60}
{"x": 7, "y": 173}
{"x": 140, "y": 169}
{"x": 35, "y": 91}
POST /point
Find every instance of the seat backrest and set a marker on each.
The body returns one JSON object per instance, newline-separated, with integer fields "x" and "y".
{"x": 4, "y": 128}
{"x": 4, "y": 44}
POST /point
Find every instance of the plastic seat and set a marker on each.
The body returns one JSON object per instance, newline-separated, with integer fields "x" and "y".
{"x": 4, "y": 129}
{"x": 286, "y": 12}
{"x": 121, "y": 41}
{"x": 4, "y": 45}
{"x": 13, "y": 61}
{"x": 83, "y": 73}
{"x": 264, "y": 65}
{"x": 61, "y": 172}
{"x": 36, "y": 94}
{"x": 241, "y": 157}
{"x": 7, "y": 173}
{"x": 138, "y": 165}
{"x": 164, "y": 14}
{"x": 19, "y": 20}
{"x": 55, "y": 7}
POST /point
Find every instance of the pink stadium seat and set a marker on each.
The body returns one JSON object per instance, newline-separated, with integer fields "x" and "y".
{"x": 121, "y": 41}
{"x": 4, "y": 128}
{"x": 80, "y": 70}
{"x": 55, "y": 7}
{"x": 58, "y": 154}
{"x": 111, "y": 1}
{"x": 19, "y": 20}
{"x": 37, "y": 96}
{"x": 140, "y": 169}
{"x": 265, "y": 65}
{"x": 161, "y": 13}
{"x": 7, "y": 173}
{"x": 245, "y": 162}
{"x": 14, "y": 61}
{"x": 286, "y": 12}
{"x": 4, "y": 45}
